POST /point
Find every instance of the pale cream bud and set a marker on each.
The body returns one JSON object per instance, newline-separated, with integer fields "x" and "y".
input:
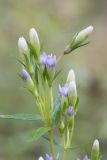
{"x": 95, "y": 150}
{"x": 73, "y": 89}
{"x": 71, "y": 76}
{"x": 84, "y": 33}
{"x": 34, "y": 39}
{"x": 22, "y": 45}
{"x": 40, "y": 158}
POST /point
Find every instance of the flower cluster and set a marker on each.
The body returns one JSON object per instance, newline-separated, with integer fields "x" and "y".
{"x": 39, "y": 71}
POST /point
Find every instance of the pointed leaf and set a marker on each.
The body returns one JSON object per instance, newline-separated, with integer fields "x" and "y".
{"x": 56, "y": 113}
{"x": 35, "y": 135}
{"x": 56, "y": 75}
{"x": 26, "y": 117}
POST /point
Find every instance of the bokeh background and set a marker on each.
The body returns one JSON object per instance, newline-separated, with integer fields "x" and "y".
{"x": 56, "y": 22}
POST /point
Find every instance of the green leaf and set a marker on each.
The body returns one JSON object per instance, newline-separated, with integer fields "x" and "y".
{"x": 35, "y": 135}
{"x": 48, "y": 139}
{"x": 56, "y": 75}
{"x": 76, "y": 104}
{"x": 56, "y": 113}
{"x": 26, "y": 117}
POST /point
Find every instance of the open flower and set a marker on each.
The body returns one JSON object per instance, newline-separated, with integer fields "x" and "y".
{"x": 43, "y": 59}
{"x": 48, "y": 60}
{"x": 51, "y": 61}
{"x": 64, "y": 90}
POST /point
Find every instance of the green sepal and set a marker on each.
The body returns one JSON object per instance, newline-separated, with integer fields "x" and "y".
{"x": 25, "y": 117}
{"x": 38, "y": 133}
{"x": 32, "y": 51}
{"x": 46, "y": 76}
{"x": 76, "y": 105}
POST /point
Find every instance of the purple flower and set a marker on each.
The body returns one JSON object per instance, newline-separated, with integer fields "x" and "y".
{"x": 86, "y": 158}
{"x": 51, "y": 61}
{"x": 70, "y": 111}
{"x": 48, "y": 157}
{"x": 64, "y": 91}
{"x": 25, "y": 74}
{"x": 43, "y": 58}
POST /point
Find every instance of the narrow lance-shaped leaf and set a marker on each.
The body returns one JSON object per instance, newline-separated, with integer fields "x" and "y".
{"x": 35, "y": 135}
{"x": 56, "y": 113}
{"x": 26, "y": 117}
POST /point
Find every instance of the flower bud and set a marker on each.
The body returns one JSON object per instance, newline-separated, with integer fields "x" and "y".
{"x": 95, "y": 150}
{"x": 41, "y": 158}
{"x": 79, "y": 40}
{"x": 28, "y": 79}
{"x": 26, "y": 75}
{"x": 22, "y": 45}
{"x": 71, "y": 76}
{"x": 61, "y": 127}
{"x": 73, "y": 89}
{"x": 86, "y": 158}
{"x": 34, "y": 40}
{"x": 84, "y": 34}
{"x": 70, "y": 111}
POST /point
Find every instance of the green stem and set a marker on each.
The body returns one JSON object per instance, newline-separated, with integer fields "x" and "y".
{"x": 52, "y": 145}
{"x": 65, "y": 155}
{"x": 51, "y": 98}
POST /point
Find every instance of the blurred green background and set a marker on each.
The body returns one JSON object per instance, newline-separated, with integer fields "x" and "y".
{"x": 56, "y": 22}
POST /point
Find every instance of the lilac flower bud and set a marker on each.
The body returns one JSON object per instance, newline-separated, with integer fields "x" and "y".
{"x": 28, "y": 79}
{"x": 25, "y": 74}
{"x": 43, "y": 58}
{"x": 70, "y": 111}
{"x": 51, "y": 61}
{"x": 64, "y": 91}
{"x": 22, "y": 45}
{"x": 86, "y": 158}
{"x": 34, "y": 39}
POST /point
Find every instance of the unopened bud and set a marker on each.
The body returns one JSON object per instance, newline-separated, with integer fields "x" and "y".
{"x": 71, "y": 76}
{"x": 28, "y": 79}
{"x": 70, "y": 111}
{"x": 22, "y": 45}
{"x": 95, "y": 150}
{"x": 40, "y": 158}
{"x": 79, "y": 40}
{"x": 84, "y": 34}
{"x": 34, "y": 40}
